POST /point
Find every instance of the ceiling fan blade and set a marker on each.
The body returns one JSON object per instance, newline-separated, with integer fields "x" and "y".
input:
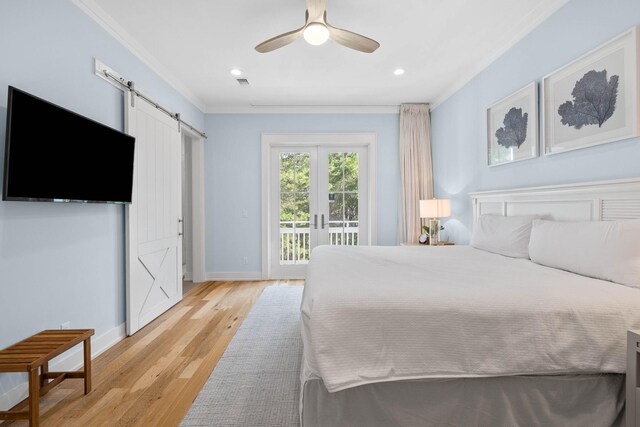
{"x": 352, "y": 40}
{"x": 316, "y": 9}
{"x": 279, "y": 41}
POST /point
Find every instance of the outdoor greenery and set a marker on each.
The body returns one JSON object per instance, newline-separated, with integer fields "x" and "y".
{"x": 294, "y": 187}
{"x": 343, "y": 187}
{"x": 294, "y": 197}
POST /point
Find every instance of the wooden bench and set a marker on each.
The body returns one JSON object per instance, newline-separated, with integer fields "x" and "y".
{"x": 33, "y": 355}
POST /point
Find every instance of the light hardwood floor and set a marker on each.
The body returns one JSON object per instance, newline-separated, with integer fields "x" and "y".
{"x": 152, "y": 378}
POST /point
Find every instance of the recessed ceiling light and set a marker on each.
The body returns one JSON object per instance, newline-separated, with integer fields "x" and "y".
{"x": 235, "y": 71}
{"x": 398, "y": 71}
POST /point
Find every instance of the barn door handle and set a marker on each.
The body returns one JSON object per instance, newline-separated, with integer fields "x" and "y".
{"x": 180, "y": 226}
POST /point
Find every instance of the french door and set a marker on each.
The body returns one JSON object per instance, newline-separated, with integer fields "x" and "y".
{"x": 318, "y": 196}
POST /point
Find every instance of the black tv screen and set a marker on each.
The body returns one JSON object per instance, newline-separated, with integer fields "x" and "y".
{"x": 55, "y": 155}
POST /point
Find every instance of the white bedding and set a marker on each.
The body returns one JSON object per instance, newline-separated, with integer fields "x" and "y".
{"x": 373, "y": 314}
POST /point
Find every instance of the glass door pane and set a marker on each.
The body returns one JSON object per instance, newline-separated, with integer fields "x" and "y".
{"x": 318, "y": 195}
{"x": 343, "y": 198}
{"x": 294, "y": 230}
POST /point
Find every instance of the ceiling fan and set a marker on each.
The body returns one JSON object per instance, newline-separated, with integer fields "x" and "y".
{"x": 316, "y": 31}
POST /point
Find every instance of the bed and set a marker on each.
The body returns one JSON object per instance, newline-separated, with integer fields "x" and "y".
{"x": 458, "y": 336}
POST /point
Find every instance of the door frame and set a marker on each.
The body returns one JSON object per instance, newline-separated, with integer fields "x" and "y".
{"x": 197, "y": 205}
{"x": 271, "y": 140}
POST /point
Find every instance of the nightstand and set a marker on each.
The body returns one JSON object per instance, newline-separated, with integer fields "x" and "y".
{"x": 633, "y": 385}
{"x": 420, "y": 244}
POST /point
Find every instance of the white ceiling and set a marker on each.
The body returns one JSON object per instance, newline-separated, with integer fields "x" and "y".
{"x": 440, "y": 43}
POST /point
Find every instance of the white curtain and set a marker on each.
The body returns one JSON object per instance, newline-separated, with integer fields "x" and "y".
{"x": 416, "y": 179}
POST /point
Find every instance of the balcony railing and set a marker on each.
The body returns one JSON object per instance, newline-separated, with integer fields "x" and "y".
{"x": 295, "y": 242}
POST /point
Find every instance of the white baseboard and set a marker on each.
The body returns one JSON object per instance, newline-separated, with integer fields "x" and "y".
{"x": 235, "y": 275}
{"x": 188, "y": 277}
{"x": 69, "y": 361}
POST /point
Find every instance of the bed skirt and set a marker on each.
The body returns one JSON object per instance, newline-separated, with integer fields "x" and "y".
{"x": 562, "y": 400}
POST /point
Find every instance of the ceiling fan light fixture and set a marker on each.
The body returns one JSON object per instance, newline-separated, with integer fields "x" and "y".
{"x": 316, "y": 34}
{"x": 316, "y": 31}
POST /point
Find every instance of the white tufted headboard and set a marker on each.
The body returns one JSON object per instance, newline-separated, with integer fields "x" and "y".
{"x": 588, "y": 201}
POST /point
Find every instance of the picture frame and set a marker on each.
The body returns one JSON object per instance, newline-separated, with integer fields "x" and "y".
{"x": 594, "y": 99}
{"x": 513, "y": 127}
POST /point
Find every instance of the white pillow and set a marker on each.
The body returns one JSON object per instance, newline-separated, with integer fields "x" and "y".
{"x": 504, "y": 235}
{"x": 607, "y": 250}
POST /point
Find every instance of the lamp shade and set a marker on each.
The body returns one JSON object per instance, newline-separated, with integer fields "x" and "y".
{"x": 435, "y": 208}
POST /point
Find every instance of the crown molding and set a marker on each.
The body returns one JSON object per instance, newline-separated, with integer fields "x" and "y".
{"x": 102, "y": 18}
{"x": 533, "y": 19}
{"x": 305, "y": 109}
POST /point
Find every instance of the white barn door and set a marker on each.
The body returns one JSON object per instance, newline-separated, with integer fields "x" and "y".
{"x": 154, "y": 219}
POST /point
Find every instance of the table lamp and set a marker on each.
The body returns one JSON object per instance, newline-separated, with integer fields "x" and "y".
{"x": 435, "y": 209}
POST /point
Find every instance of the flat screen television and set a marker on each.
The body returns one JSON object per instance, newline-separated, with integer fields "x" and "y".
{"x": 55, "y": 155}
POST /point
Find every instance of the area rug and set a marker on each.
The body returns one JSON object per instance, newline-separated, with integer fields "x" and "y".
{"x": 256, "y": 383}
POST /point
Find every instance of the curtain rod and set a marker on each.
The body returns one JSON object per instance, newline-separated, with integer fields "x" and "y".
{"x": 130, "y": 86}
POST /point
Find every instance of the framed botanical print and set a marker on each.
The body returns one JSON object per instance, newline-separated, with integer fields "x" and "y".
{"x": 594, "y": 99}
{"x": 512, "y": 127}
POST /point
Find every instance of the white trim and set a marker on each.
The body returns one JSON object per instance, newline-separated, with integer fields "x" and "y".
{"x": 627, "y": 184}
{"x": 237, "y": 276}
{"x": 290, "y": 139}
{"x": 69, "y": 361}
{"x": 264, "y": 211}
{"x": 587, "y": 201}
{"x": 304, "y": 109}
{"x": 270, "y": 140}
{"x": 102, "y": 18}
{"x": 538, "y": 16}
{"x": 197, "y": 205}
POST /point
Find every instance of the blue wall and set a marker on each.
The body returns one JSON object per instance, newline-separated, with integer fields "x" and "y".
{"x": 233, "y": 178}
{"x": 459, "y": 124}
{"x": 64, "y": 262}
